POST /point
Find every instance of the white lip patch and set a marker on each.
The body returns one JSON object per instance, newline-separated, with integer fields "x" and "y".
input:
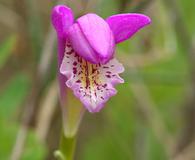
{"x": 93, "y": 84}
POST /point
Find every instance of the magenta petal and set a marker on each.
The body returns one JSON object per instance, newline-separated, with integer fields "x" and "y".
{"x": 80, "y": 44}
{"x": 98, "y": 34}
{"x": 125, "y": 26}
{"x": 62, "y": 19}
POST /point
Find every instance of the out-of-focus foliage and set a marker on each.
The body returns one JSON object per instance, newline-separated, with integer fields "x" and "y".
{"x": 130, "y": 126}
{"x": 10, "y": 101}
{"x": 5, "y": 49}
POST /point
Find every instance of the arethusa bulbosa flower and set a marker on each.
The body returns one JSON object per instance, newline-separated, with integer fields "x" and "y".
{"x": 86, "y": 57}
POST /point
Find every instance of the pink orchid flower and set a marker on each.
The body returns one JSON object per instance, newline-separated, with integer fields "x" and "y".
{"x": 86, "y": 52}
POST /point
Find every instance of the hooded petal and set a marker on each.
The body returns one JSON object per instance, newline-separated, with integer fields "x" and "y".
{"x": 97, "y": 37}
{"x": 80, "y": 44}
{"x": 93, "y": 84}
{"x": 62, "y": 19}
{"x": 125, "y": 26}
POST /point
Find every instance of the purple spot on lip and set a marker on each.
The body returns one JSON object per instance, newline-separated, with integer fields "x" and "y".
{"x": 94, "y": 70}
{"x": 75, "y": 63}
{"x": 69, "y": 53}
{"x": 108, "y": 76}
{"x": 105, "y": 67}
{"x": 78, "y": 81}
{"x": 74, "y": 70}
{"x": 105, "y": 85}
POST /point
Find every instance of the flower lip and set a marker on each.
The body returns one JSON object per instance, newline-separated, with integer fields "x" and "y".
{"x": 93, "y": 84}
{"x": 94, "y": 38}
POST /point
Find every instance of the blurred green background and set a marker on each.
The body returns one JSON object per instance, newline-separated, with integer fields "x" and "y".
{"x": 151, "y": 118}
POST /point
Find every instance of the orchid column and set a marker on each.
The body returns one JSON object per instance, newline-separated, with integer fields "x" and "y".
{"x": 86, "y": 58}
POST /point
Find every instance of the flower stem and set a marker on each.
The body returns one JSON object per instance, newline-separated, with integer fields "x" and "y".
{"x": 72, "y": 117}
{"x": 67, "y": 148}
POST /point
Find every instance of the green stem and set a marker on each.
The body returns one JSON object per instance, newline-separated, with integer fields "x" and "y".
{"x": 71, "y": 120}
{"x": 67, "y": 146}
